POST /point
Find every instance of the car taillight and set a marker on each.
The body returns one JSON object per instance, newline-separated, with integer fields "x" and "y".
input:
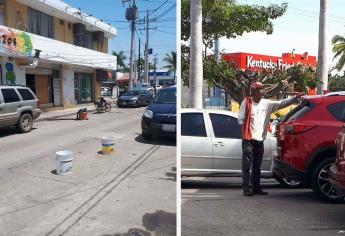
{"x": 298, "y": 128}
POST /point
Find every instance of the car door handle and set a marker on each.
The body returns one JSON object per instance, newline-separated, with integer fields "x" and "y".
{"x": 20, "y": 105}
{"x": 219, "y": 144}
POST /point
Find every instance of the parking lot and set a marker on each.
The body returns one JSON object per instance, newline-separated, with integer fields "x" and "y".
{"x": 216, "y": 206}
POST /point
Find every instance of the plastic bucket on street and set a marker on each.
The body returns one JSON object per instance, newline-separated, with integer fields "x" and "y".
{"x": 107, "y": 145}
{"x": 63, "y": 162}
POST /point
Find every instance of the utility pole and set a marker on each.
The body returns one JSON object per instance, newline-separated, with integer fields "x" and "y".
{"x": 322, "y": 70}
{"x": 139, "y": 64}
{"x": 155, "y": 77}
{"x": 131, "y": 15}
{"x": 146, "y": 68}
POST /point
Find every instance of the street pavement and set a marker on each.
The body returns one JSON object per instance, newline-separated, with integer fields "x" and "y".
{"x": 131, "y": 192}
{"x": 216, "y": 206}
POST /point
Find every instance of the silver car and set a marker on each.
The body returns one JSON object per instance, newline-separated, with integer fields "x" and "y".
{"x": 211, "y": 145}
{"x": 18, "y": 107}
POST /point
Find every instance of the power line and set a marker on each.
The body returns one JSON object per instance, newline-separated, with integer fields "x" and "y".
{"x": 158, "y": 7}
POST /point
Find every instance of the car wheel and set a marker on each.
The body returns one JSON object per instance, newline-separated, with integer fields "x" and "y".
{"x": 25, "y": 123}
{"x": 289, "y": 183}
{"x": 321, "y": 183}
{"x": 146, "y": 136}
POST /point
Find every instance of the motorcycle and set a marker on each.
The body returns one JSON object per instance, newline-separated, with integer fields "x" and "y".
{"x": 103, "y": 106}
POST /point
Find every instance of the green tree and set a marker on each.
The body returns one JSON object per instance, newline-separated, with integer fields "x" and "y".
{"x": 237, "y": 82}
{"x": 338, "y": 49}
{"x": 121, "y": 58}
{"x": 170, "y": 60}
{"x": 226, "y": 18}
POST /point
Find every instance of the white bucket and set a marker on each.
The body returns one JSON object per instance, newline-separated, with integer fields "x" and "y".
{"x": 107, "y": 145}
{"x": 64, "y": 162}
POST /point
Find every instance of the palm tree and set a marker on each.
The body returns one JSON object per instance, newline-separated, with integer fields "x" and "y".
{"x": 196, "y": 44}
{"x": 170, "y": 59}
{"x": 121, "y": 57}
{"x": 338, "y": 49}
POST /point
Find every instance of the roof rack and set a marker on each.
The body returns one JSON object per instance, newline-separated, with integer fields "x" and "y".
{"x": 338, "y": 93}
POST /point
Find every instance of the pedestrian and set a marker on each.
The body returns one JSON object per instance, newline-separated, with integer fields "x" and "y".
{"x": 254, "y": 118}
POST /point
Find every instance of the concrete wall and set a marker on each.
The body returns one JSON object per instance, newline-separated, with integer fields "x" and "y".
{"x": 59, "y": 30}
{"x": 68, "y": 87}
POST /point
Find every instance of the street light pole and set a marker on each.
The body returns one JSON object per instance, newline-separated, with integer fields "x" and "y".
{"x": 146, "y": 68}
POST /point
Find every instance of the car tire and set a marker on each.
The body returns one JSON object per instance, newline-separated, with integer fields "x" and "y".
{"x": 289, "y": 184}
{"x": 108, "y": 107}
{"x": 321, "y": 183}
{"x": 146, "y": 136}
{"x": 25, "y": 123}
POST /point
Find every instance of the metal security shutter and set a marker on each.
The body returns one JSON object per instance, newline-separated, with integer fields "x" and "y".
{"x": 57, "y": 87}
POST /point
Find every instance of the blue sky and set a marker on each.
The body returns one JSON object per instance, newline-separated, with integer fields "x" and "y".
{"x": 297, "y": 28}
{"x": 162, "y": 40}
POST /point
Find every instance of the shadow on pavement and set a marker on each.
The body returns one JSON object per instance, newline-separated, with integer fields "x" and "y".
{"x": 159, "y": 223}
{"x": 4, "y": 132}
{"x": 161, "y": 140}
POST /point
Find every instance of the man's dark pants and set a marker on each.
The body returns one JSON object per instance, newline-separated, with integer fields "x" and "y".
{"x": 252, "y": 156}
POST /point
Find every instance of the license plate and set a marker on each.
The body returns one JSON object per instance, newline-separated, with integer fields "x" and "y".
{"x": 168, "y": 128}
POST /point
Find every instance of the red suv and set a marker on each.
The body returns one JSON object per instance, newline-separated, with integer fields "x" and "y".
{"x": 338, "y": 169}
{"x": 306, "y": 143}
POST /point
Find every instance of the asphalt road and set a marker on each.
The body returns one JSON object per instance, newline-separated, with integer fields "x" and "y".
{"x": 216, "y": 206}
{"x": 131, "y": 192}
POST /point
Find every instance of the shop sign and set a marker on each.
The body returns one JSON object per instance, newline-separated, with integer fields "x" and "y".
{"x": 14, "y": 41}
{"x": 279, "y": 64}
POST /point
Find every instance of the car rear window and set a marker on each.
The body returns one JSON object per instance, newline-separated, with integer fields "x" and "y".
{"x": 225, "y": 126}
{"x": 192, "y": 124}
{"x": 26, "y": 94}
{"x": 337, "y": 110}
{"x": 10, "y": 95}
{"x": 298, "y": 111}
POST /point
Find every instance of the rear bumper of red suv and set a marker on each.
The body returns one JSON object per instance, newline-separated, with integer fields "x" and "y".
{"x": 284, "y": 170}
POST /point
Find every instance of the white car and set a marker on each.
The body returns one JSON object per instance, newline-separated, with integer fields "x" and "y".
{"x": 211, "y": 145}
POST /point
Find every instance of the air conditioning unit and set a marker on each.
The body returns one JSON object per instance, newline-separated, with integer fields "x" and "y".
{"x": 78, "y": 28}
{"x": 98, "y": 36}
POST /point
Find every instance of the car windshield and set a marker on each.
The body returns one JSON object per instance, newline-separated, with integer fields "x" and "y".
{"x": 132, "y": 93}
{"x": 167, "y": 96}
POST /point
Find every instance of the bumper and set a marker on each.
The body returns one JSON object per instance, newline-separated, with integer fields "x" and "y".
{"x": 126, "y": 103}
{"x": 149, "y": 127}
{"x": 36, "y": 113}
{"x": 337, "y": 179}
{"x": 282, "y": 169}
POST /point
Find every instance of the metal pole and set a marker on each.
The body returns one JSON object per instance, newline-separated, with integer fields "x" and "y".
{"x": 147, "y": 48}
{"x": 155, "y": 77}
{"x": 132, "y": 50}
{"x": 322, "y": 73}
{"x": 139, "y": 64}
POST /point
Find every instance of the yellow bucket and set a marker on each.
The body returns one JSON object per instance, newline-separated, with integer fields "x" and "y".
{"x": 107, "y": 145}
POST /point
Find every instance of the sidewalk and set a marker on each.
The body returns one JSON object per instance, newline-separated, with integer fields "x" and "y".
{"x": 53, "y": 113}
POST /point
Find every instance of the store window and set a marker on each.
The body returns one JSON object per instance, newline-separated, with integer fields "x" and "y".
{"x": 83, "y": 87}
{"x": 40, "y": 23}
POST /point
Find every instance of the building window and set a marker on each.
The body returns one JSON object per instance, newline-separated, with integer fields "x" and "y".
{"x": 82, "y": 37}
{"x": 82, "y": 87}
{"x": 40, "y": 23}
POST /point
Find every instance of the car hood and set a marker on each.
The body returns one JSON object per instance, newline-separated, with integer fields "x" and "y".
{"x": 162, "y": 108}
{"x": 163, "y": 113}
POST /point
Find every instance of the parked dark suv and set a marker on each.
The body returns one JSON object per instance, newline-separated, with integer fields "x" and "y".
{"x": 18, "y": 107}
{"x": 306, "y": 143}
{"x": 160, "y": 116}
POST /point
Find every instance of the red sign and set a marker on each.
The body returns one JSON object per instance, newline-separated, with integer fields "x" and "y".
{"x": 257, "y": 62}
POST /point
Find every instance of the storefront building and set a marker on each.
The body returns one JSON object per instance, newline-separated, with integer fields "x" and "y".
{"x": 56, "y": 50}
